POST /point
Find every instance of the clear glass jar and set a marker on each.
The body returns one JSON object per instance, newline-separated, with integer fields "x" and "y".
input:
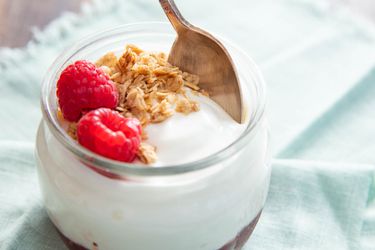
{"x": 97, "y": 203}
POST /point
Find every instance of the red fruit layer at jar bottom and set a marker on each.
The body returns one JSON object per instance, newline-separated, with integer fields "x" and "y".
{"x": 235, "y": 244}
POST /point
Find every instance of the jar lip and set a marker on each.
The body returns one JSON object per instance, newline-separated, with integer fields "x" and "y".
{"x": 121, "y": 168}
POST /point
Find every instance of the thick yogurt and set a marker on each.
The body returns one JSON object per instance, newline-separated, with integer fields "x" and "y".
{"x": 187, "y": 138}
{"x": 199, "y": 210}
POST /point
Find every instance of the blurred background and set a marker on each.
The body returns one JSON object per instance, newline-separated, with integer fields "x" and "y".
{"x": 17, "y": 17}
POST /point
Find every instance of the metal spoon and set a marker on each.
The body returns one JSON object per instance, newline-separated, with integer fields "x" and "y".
{"x": 198, "y": 52}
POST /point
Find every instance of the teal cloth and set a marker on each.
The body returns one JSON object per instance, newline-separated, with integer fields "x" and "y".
{"x": 318, "y": 61}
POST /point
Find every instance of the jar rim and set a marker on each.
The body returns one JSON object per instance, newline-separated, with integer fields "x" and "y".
{"x": 122, "y": 168}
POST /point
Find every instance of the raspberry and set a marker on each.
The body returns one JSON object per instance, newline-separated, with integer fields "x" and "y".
{"x": 82, "y": 87}
{"x": 106, "y": 132}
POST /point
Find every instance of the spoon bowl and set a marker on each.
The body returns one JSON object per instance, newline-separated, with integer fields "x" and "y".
{"x": 198, "y": 52}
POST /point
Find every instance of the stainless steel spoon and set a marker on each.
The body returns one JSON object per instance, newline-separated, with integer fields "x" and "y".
{"x": 198, "y": 52}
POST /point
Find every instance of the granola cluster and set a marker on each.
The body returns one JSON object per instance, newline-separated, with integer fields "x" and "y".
{"x": 150, "y": 88}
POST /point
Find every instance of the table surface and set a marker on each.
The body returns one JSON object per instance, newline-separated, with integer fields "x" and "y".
{"x": 17, "y": 17}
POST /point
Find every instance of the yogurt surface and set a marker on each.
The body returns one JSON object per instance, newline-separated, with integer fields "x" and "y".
{"x": 187, "y": 138}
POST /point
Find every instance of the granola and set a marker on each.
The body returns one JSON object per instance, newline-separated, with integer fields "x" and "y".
{"x": 150, "y": 88}
{"x": 147, "y": 153}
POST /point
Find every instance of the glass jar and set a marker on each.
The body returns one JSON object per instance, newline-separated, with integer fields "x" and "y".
{"x": 97, "y": 203}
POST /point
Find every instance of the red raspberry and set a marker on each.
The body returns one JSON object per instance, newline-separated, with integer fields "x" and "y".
{"x": 82, "y": 87}
{"x": 106, "y": 132}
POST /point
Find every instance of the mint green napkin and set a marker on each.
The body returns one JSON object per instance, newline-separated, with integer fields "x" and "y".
{"x": 318, "y": 61}
{"x": 315, "y": 205}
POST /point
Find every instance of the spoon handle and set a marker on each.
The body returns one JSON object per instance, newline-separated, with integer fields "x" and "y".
{"x": 177, "y": 20}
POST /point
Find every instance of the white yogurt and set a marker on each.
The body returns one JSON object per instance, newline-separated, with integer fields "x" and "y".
{"x": 187, "y": 138}
{"x": 199, "y": 210}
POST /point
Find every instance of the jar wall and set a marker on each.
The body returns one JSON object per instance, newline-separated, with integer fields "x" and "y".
{"x": 200, "y": 210}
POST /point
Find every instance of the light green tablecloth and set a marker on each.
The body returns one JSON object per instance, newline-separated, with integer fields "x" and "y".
{"x": 318, "y": 62}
